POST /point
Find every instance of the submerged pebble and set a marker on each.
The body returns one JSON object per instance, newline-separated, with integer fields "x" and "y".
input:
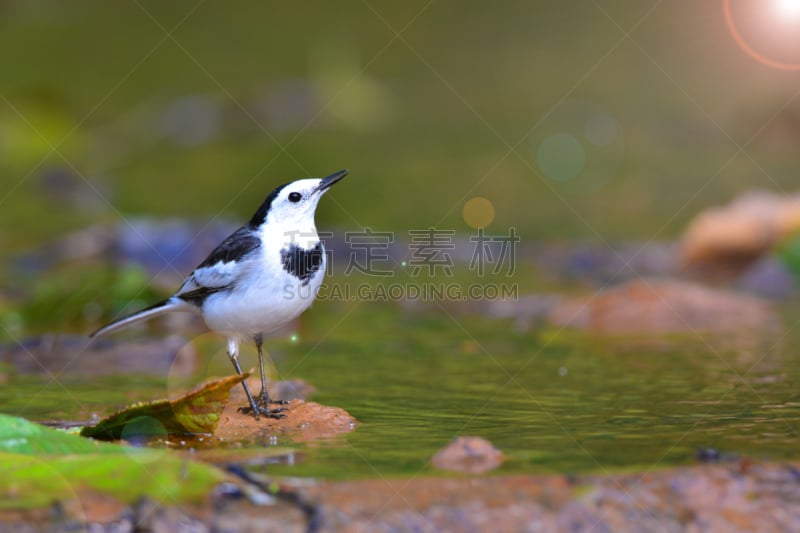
{"x": 471, "y": 455}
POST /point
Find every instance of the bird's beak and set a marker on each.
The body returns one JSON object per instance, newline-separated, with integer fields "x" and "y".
{"x": 330, "y": 180}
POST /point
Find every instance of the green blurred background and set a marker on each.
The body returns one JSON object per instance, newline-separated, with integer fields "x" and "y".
{"x": 198, "y": 109}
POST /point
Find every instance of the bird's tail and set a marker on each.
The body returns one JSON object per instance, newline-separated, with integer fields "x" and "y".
{"x": 171, "y": 304}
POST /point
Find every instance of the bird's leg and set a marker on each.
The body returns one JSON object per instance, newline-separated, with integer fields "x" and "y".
{"x": 262, "y": 406}
{"x": 233, "y": 354}
{"x": 263, "y": 398}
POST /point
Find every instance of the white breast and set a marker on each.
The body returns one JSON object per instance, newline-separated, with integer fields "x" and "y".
{"x": 268, "y": 297}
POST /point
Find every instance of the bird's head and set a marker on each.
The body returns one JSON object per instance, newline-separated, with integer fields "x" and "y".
{"x": 292, "y": 205}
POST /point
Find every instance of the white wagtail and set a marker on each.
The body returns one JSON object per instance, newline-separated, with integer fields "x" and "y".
{"x": 264, "y": 275}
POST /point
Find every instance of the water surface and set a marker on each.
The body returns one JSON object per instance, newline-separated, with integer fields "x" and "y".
{"x": 553, "y": 401}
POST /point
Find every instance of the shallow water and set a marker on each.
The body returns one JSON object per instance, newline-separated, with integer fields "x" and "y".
{"x": 550, "y": 402}
{"x": 553, "y": 401}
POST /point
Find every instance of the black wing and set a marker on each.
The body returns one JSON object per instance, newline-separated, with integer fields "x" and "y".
{"x": 221, "y": 269}
{"x": 240, "y": 243}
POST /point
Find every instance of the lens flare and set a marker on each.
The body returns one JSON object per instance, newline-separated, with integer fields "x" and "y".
{"x": 785, "y": 11}
{"x": 789, "y": 8}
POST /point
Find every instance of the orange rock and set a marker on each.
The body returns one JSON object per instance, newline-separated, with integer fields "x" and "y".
{"x": 726, "y": 240}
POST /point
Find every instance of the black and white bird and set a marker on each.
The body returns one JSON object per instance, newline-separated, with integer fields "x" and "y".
{"x": 264, "y": 275}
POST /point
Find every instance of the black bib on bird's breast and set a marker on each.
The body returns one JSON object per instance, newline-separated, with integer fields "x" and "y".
{"x": 302, "y": 263}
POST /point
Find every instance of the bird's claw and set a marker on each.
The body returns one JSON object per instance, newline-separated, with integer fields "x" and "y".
{"x": 262, "y": 407}
{"x": 262, "y": 411}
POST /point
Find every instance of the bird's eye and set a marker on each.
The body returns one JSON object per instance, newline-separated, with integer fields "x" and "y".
{"x": 295, "y": 197}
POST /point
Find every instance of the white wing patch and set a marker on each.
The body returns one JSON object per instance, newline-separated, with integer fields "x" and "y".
{"x": 218, "y": 275}
{"x": 212, "y": 278}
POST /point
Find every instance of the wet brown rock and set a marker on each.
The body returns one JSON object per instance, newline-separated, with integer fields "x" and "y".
{"x": 470, "y": 455}
{"x": 304, "y": 420}
{"x": 726, "y": 240}
{"x": 664, "y": 306}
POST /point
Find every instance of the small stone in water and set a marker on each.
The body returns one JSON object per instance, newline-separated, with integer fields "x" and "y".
{"x": 473, "y": 455}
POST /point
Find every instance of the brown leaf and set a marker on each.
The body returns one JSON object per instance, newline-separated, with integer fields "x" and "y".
{"x": 197, "y": 411}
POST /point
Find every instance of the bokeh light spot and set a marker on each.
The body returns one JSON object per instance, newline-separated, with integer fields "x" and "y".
{"x": 561, "y": 157}
{"x": 478, "y": 212}
{"x": 601, "y": 129}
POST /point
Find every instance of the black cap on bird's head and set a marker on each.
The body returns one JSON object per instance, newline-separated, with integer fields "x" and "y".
{"x": 295, "y": 200}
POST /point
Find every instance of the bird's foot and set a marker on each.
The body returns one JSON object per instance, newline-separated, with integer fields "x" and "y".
{"x": 260, "y": 411}
{"x": 264, "y": 400}
{"x": 261, "y": 407}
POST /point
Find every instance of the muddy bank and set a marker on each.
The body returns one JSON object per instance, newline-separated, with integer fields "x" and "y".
{"x": 734, "y": 496}
{"x": 737, "y": 497}
{"x": 759, "y": 498}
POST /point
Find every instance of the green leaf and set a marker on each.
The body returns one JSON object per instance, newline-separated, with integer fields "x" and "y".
{"x": 29, "y": 481}
{"x": 39, "y": 465}
{"x": 20, "y": 436}
{"x": 195, "y": 412}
